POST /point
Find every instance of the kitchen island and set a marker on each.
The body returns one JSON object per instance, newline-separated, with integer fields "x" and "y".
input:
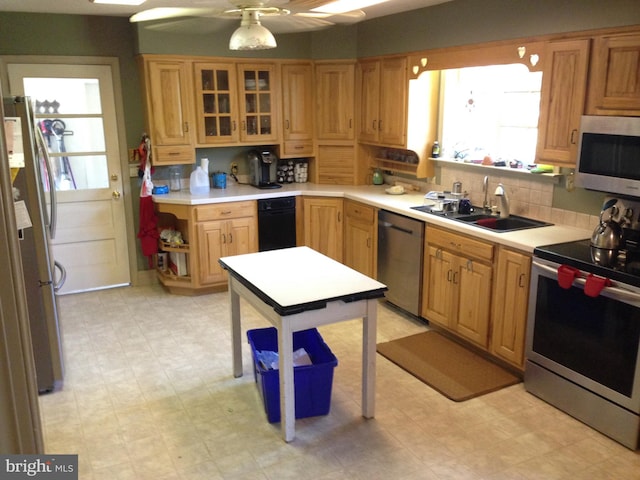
{"x": 297, "y": 289}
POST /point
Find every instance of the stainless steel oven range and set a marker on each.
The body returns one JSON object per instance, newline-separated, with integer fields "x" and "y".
{"x": 583, "y": 333}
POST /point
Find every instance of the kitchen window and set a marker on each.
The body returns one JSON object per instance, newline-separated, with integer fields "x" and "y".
{"x": 491, "y": 110}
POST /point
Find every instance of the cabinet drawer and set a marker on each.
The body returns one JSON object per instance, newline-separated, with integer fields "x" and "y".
{"x": 470, "y": 247}
{"x": 223, "y": 211}
{"x": 173, "y": 155}
{"x": 360, "y": 211}
{"x": 297, "y": 148}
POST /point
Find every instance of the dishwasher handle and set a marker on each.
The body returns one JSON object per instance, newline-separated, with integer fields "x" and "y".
{"x": 396, "y": 227}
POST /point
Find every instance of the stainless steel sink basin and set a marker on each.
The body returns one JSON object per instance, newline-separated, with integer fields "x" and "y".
{"x": 509, "y": 224}
{"x": 488, "y": 221}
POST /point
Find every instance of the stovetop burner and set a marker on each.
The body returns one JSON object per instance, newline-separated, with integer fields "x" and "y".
{"x": 578, "y": 254}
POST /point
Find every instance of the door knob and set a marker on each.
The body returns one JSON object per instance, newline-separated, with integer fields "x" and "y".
{"x": 115, "y": 194}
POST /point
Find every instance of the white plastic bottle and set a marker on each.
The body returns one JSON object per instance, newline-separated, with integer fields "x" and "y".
{"x": 199, "y": 180}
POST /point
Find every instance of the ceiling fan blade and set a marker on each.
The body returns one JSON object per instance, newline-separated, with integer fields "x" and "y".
{"x": 294, "y": 23}
{"x": 168, "y": 12}
{"x": 341, "y": 18}
{"x": 190, "y": 25}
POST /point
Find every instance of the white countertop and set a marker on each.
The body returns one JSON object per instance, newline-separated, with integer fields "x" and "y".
{"x": 375, "y": 195}
{"x": 299, "y": 278}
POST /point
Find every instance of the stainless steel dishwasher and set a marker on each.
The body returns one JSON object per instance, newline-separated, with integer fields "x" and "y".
{"x": 400, "y": 251}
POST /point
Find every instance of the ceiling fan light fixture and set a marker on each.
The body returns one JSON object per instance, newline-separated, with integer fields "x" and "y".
{"x": 251, "y": 35}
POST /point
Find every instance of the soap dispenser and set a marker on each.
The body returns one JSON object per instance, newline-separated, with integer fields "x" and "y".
{"x": 199, "y": 180}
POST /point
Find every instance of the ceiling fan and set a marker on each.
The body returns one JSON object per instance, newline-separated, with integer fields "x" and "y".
{"x": 251, "y": 35}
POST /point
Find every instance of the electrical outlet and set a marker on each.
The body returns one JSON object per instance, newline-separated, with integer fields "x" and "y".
{"x": 569, "y": 182}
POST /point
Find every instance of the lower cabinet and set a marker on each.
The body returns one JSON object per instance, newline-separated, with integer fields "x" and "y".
{"x": 510, "y": 303}
{"x": 210, "y": 232}
{"x": 223, "y": 238}
{"x": 457, "y": 284}
{"x": 360, "y": 237}
{"x": 323, "y": 225}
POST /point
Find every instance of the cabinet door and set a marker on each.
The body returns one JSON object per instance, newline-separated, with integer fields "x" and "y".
{"x": 438, "y": 286}
{"x": 472, "y": 301}
{"x": 392, "y": 124}
{"x": 369, "y": 81}
{"x": 258, "y": 103}
{"x": 511, "y": 297}
{"x": 562, "y": 101}
{"x": 212, "y": 239}
{"x": 614, "y": 87}
{"x": 169, "y": 102}
{"x": 323, "y": 226}
{"x": 216, "y": 103}
{"x": 359, "y": 252}
{"x": 335, "y": 109}
{"x": 241, "y": 236}
{"x": 297, "y": 107}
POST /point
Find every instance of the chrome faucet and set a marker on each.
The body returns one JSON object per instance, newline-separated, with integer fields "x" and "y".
{"x": 485, "y": 188}
{"x": 503, "y": 201}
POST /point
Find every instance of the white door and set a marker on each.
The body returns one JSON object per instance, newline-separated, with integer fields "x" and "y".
{"x": 75, "y": 109}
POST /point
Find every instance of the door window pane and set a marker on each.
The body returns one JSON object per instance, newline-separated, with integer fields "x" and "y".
{"x": 79, "y": 96}
{"x": 69, "y": 114}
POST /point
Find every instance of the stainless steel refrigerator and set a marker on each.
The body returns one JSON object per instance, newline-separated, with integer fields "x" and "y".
{"x": 43, "y": 276}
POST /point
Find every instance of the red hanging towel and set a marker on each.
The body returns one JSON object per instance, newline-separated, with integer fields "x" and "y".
{"x": 148, "y": 233}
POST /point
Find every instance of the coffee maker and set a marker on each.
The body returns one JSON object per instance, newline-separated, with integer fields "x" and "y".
{"x": 263, "y": 165}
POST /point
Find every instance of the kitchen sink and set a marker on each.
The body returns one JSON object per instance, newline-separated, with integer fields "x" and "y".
{"x": 488, "y": 221}
{"x": 508, "y": 224}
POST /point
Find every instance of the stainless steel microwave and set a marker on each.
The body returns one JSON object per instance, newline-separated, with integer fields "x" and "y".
{"x": 609, "y": 155}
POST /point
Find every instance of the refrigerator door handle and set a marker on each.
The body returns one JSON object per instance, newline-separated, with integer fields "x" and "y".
{"x": 53, "y": 218}
{"x": 63, "y": 276}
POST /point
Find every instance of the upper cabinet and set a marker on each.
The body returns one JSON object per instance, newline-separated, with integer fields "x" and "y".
{"x": 216, "y": 102}
{"x": 297, "y": 108}
{"x": 562, "y": 100}
{"x": 258, "y": 100}
{"x": 614, "y": 82}
{"x": 383, "y": 101}
{"x": 335, "y": 101}
{"x": 169, "y": 109}
{"x": 236, "y": 103}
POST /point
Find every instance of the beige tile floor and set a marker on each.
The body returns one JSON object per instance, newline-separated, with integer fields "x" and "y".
{"x": 149, "y": 395}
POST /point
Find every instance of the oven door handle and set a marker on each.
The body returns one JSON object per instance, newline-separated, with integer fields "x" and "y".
{"x": 614, "y": 292}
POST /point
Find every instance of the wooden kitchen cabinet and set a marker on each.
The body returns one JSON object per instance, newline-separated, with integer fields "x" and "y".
{"x": 510, "y": 304}
{"x": 361, "y": 237}
{"x": 168, "y": 98}
{"x": 210, "y": 232}
{"x": 297, "y": 108}
{"x": 614, "y": 81}
{"x": 323, "y": 225}
{"x": 383, "y": 101}
{"x": 216, "y": 102}
{"x": 457, "y": 284}
{"x": 223, "y": 238}
{"x": 223, "y": 230}
{"x": 337, "y": 160}
{"x": 562, "y": 101}
{"x": 335, "y": 101}
{"x": 258, "y": 100}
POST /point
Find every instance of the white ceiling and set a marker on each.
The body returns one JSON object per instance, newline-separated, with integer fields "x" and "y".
{"x": 85, "y": 7}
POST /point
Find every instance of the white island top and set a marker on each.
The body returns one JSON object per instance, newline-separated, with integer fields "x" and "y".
{"x": 292, "y": 280}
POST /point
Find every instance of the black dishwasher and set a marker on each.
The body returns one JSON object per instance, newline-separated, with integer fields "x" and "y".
{"x": 276, "y": 223}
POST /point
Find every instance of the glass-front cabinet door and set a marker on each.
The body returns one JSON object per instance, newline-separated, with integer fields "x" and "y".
{"x": 216, "y": 103}
{"x": 258, "y": 111}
